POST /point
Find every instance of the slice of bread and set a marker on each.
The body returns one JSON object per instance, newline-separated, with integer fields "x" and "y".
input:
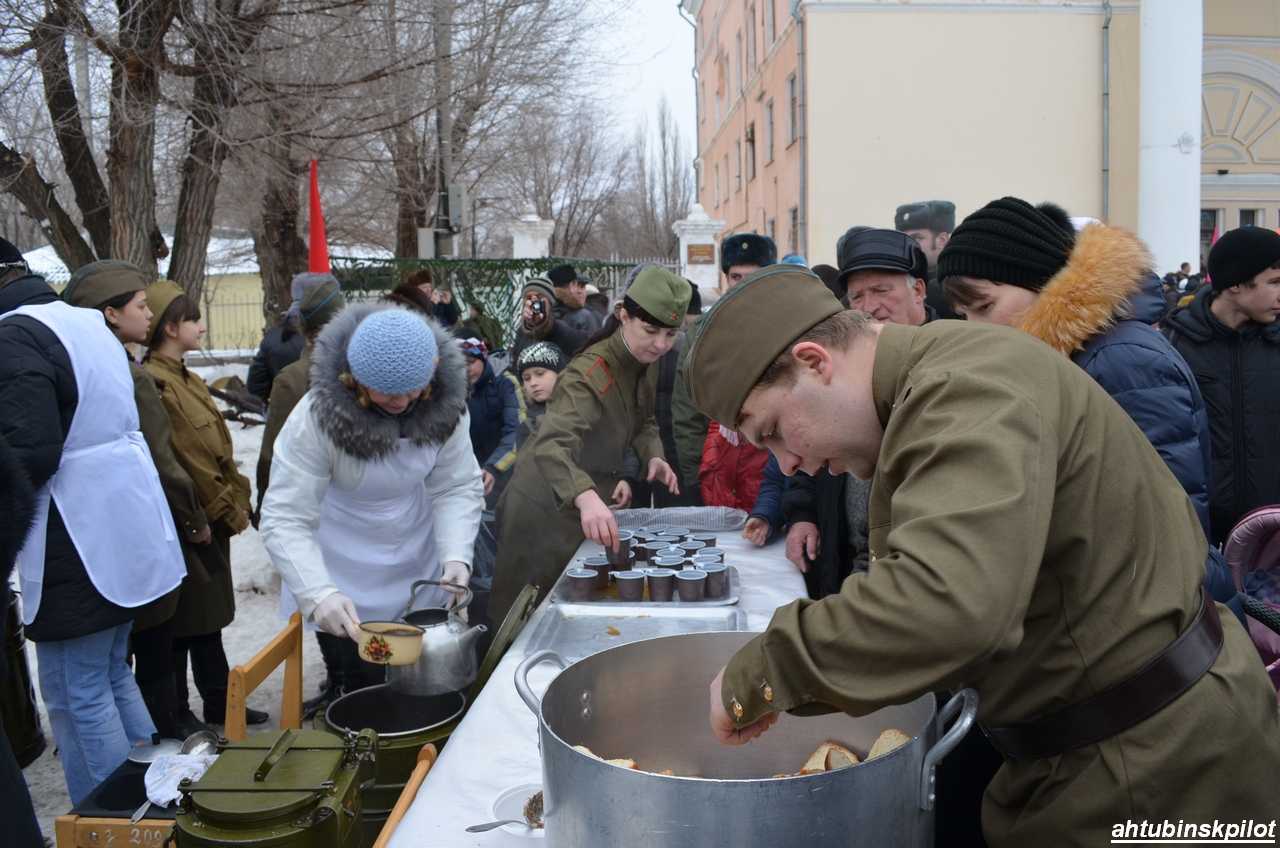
{"x": 888, "y": 741}
{"x": 622, "y": 761}
{"x": 838, "y": 756}
{"x": 817, "y": 760}
{"x": 583, "y": 749}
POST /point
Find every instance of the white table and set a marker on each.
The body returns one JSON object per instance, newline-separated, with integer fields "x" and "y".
{"x": 496, "y": 745}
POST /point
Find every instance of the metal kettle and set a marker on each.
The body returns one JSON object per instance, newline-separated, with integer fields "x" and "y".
{"x": 448, "y": 660}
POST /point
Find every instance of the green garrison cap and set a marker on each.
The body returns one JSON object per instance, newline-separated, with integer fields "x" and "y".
{"x": 94, "y": 284}
{"x": 662, "y": 293}
{"x": 747, "y": 330}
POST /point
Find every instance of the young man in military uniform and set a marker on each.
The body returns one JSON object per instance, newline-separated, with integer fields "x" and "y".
{"x": 1026, "y": 541}
{"x": 740, "y": 256}
{"x": 930, "y": 223}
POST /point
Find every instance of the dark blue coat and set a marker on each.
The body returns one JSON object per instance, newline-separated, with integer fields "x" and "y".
{"x": 768, "y": 503}
{"x": 495, "y": 419}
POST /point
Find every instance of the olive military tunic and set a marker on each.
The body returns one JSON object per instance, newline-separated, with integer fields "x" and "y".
{"x": 202, "y": 444}
{"x": 603, "y": 403}
{"x": 179, "y": 492}
{"x": 1026, "y": 540}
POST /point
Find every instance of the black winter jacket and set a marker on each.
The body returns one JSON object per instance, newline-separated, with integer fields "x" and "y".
{"x": 1239, "y": 376}
{"x": 38, "y": 399}
{"x": 281, "y": 346}
{"x": 820, "y": 500}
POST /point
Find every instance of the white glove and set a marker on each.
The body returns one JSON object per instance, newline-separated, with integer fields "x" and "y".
{"x": 336, "y": 615}
{"x": 458, "y": 573}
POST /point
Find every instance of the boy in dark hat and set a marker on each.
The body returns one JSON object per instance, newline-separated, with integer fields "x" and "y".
{"x": 930, "y": 223}
{"x": 1230, "y": 337}
{"x": 571, "y": 299}
{"x": 1026, "y": 542}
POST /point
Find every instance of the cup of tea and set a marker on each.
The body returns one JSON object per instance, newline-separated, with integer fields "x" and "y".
{"x": 691, "y": 584}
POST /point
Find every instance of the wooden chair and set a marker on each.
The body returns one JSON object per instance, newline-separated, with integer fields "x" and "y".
{"x": 285, "y": 648}
{"x": 426, "y": 759}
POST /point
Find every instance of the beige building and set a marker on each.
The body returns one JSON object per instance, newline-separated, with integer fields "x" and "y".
{"x": 816, "y": 115}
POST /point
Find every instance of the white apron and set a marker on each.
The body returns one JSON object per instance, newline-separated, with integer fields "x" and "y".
{"x": 106, "y": 486}
{"x": 377, "y": 538}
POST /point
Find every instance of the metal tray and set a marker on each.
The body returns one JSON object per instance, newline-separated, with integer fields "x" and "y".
{"x": 609, "y": 597}
{"x": 576, "y": 631}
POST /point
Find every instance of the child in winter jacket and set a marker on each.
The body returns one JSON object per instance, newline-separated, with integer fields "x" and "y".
{"x": 731, "y": 469}
{"x": 538, "y": 368}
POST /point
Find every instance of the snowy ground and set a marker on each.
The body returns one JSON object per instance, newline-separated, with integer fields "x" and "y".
{"x": 257, "y": 620}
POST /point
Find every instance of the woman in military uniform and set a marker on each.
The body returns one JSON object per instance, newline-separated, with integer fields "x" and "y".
{"x": 602, "y": 404}
{"x": 203, "y": 446}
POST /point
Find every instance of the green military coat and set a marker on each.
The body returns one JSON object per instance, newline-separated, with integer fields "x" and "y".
{"x": 202, "y": 445}
{"x": 1027, "y": 540}
{"x": 179, "y": 491}
{"x": 603, "y": 404}
{"x": 688, "y": 425}
{"x": 286, "y": 390}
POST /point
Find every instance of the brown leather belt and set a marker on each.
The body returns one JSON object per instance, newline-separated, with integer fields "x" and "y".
{"x": 1124, "y": 705}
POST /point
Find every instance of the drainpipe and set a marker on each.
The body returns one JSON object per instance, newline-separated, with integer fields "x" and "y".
{"x": 802, "y": 214}
{"x": 1106, "y": 112}
{"x": 697, "y": 102}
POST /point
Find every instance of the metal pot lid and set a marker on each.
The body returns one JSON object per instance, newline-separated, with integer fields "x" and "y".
{"x": 391, "y": 713}
{"x": 148, "y": 753}
{"x": 229, "y": 793}
{"x": 517, "y": 617}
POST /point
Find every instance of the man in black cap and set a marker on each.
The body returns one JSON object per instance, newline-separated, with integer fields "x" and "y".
{"x": 571, "y": 300}
{"x": 740, "y": 255}
{"x": 883, "y": 274}
{"x": 930, "y": 223}
{"x": 1230, "y": 337}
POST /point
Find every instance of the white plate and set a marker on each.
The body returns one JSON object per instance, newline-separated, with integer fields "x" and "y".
{"x": 148, "y": 753}
{"x": 510, "y": 805}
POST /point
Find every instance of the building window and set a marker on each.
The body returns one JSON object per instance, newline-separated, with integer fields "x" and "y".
{"x": 751, "y": 152}
{"x": 772, "y": 229}
{"x": 717, "y": 185}
{"x": 737, "y": 64}
{"x": 768, "y": 23}
{"x": 1251, "y": 217}
{"x": 726, "y": 178}
{"x": 737, "y": 165}
{"x": 793, "y": 109}
{"x": 1208, "y": 230}
{"x": 768, "y": 132}
{"x": 793, "y": 237}
{"x": 751, "y": 38}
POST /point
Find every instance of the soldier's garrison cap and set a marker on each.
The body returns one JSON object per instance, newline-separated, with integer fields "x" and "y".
{"x": 662, "y": 293}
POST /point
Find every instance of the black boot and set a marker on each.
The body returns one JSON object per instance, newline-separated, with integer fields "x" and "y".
{"x": 161, "y": 701}
{"x": 187, "y": 724}
{"x": 217, "y": 714}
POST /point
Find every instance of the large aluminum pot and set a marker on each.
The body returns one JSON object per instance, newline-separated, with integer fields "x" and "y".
{"x": 648, "y": 701}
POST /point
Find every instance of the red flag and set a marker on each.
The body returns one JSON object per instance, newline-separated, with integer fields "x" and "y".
{"x": 318, "y": 262}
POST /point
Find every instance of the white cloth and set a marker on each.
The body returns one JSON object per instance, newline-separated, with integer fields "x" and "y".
{"x": 332, "y": 522}
{"x": 106, "y": 486}
{"x": 168, "y": 770}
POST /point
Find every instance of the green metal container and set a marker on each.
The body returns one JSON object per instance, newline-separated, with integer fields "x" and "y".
{"x": 294, "y": 788}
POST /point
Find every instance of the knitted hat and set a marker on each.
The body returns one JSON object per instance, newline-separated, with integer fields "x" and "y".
{"x": 393, "y": 351}
{"x": 795, "y": 259}
{"x": 320, "y": 304}
{"x": 94, "y": 284}
{"x": 562, "y": 275}
{"x": 474, "y": 348}
{"x": 1010, "y": 241}
{"x": 540, "y": 286}
{"x": 540, "y": 355}
{"x": 1242, "y": 254}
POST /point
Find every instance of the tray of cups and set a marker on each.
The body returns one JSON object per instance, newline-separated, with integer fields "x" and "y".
{"x": 699, "y": 581}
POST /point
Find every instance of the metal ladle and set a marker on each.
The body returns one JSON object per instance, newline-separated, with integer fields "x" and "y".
{"x": 200, "y": 742}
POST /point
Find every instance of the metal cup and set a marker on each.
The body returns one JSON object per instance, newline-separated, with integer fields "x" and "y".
{"x": 662, "y": 584}
{"x": 580, "y": 584}
{"x": 691, "y": 548}
{"x": 621, "y": 558}
{"x": 717, "y": 578}
{"x": 675, "y": 563}
{"x": 630, "y": 585}
{"x": 708, "y": 539}
{"x": 600, "y": 565}
{"x": 714, "y": 554}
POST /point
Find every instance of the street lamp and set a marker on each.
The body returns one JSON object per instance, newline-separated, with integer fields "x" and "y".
{"x": 479, "y": 203}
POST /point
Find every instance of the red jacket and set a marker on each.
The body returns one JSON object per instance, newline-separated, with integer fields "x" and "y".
{"x": 730, "y": 474}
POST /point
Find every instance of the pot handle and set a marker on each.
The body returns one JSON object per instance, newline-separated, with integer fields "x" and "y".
{"x": 965, "y": 705}
{"x": 417, "y": 587}
{"x": 533, "y": 702}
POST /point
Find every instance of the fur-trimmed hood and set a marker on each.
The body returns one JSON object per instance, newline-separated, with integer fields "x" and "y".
{"x": 370, "y": 434}
{"x": 1106, "y": 270}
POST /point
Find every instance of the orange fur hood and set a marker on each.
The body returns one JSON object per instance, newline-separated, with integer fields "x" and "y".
{"x": 1105, "y": 270}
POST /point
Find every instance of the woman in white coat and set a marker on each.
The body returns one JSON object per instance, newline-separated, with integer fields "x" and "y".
{"x": 373, "y": 482}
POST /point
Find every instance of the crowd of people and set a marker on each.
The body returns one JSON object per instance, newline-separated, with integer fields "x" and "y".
{"x": 1036, "y": 511}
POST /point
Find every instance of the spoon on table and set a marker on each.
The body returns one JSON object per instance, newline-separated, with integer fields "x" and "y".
{"x": 532, "y": 816}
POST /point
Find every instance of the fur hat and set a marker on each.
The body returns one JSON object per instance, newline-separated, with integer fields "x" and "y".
{"x": 1010, "y": 241}
{"x": 540, "y": 355}
{"x": 936, "y": 215}
{"x": 1242, "y": 254}
{"x": 747, "y": 249}
{"x": 393, "y": 352}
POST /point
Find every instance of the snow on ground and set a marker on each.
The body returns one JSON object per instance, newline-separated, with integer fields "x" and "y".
{"x": 257, "y": 621}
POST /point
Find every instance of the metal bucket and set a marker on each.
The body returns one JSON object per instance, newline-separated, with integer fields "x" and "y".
{"x": 404, "y": 723}
{"x": 647, "y": 701}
